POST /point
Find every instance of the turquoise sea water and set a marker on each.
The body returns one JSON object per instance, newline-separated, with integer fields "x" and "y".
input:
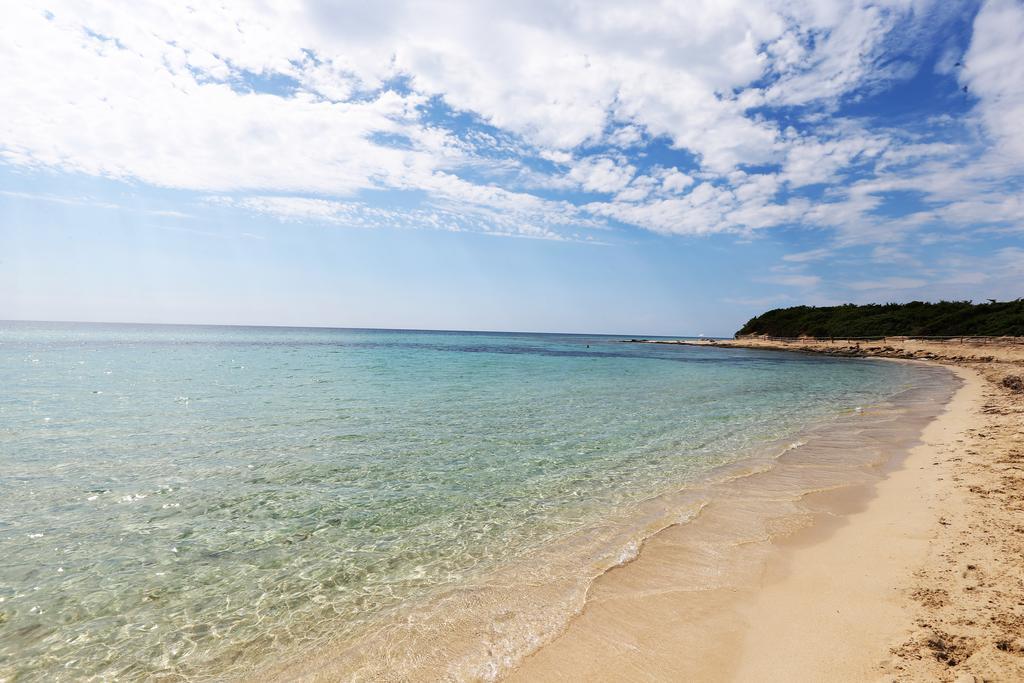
{"x": 189, "y": 501}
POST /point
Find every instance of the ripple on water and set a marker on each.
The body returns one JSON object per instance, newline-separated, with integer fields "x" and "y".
{"x": 325, "y": 479}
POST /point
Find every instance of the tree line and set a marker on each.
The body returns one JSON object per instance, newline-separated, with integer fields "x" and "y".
{"x": 917, "y": 318}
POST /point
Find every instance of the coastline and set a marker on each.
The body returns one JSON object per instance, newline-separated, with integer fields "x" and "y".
{"x": 652, "y": 616}
{"x": 835, "y": 563}
{"x": 719, "y": 522}
{"x": 727, "y": 439}
{"x": 833, "y": 598}
{"x": 885, "y": 583}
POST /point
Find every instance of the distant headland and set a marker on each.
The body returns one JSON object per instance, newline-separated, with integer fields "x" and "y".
{"x": 917, "y": 319}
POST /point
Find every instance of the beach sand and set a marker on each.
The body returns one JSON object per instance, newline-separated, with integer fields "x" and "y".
{"x": 914, "y": 574}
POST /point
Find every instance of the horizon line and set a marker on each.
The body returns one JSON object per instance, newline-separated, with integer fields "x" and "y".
{"x": 369, "y": 329}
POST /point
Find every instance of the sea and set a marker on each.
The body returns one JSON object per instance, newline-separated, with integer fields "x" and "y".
{"x": 209, "y": 503}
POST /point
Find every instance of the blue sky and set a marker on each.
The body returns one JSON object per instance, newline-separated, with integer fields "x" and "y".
{"x": 636, "y": 168}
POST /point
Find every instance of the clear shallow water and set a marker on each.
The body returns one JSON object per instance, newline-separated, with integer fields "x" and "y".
{"x": 193, "y": 500}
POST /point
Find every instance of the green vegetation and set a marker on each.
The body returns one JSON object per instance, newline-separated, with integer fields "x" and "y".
{"x": 918, "y": 318}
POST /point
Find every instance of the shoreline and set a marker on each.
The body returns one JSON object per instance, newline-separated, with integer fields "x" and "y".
{"x": 851, "y": 596}
{"x": 836, "y": 588}
{"x": 733, "y": 506}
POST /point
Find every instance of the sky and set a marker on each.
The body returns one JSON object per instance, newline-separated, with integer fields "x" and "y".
{"x": 607, "y": 167}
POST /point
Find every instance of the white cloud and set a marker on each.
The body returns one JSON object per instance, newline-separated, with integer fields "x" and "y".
{"x": 702, "y": 211}
{"x": 810, "y": 255}
{"x": 602, "y": 174}
{"x": 793, "y": 280}
{"x": 811, "y": 160}
{"x": 92, "y": 203}
{"x": 887, "y": 283}
{"x": 112, "y": 110}
{"x": 994, "y": 73}
{"x": 282, "y": 97}
{"x": 675, "y": 182}
{"x": 846, "y": 54}
{"x": 555, "y": 156}
{"x": 884, "y": 253}
{"x": 455, "y": 206}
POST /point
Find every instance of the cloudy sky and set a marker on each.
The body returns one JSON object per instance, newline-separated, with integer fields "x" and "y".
{"x": 629, "y": 167}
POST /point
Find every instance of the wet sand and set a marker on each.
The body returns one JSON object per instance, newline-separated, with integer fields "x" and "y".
{"x": 834, "y": 599}
{"x": 882, "y": 546}
{"x": 915, "y": 575}
{"x": 788, "y": 575}
{"x": 687, "y": 588}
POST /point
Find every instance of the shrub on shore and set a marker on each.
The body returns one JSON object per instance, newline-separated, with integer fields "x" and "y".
{"x": 917, "y": 318}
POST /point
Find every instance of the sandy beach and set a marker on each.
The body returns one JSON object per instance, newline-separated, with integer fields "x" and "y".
{"x": 470, "y": 342}
{"x": 913, "y": 575}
